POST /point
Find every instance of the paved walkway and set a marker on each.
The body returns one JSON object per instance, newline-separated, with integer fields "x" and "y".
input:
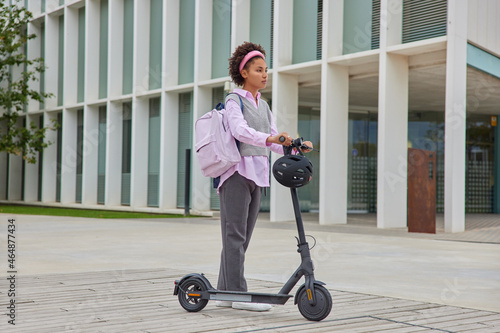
{"x": 142, "y": 301}
{"x": 90, "y": 275}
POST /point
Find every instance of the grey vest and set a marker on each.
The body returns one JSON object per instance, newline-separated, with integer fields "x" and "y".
{"x": 257, "y": 118}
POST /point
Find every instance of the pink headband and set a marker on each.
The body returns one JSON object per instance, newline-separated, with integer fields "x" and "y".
{"x": 249, "y": 56}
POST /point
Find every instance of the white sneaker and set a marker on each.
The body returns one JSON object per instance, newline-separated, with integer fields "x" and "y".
{"x": 224, "y": 304}
{"x": 252, "y": 306}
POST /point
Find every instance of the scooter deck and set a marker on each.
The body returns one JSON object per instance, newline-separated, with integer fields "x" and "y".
{"x": 240, "y": 296}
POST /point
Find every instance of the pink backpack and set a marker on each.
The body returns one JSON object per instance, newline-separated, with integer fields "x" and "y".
{"x": 215, "y": 145}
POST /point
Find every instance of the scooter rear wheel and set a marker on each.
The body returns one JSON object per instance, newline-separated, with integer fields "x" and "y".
{"x": 323, "y": 304}
{"x": 189, "y": 295}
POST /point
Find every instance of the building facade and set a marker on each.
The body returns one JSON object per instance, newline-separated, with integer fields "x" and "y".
{"x": 364, "y": 80}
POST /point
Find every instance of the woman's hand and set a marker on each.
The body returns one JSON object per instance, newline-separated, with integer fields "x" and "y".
{"x": 309, "y": 144}
{"x": 276, "y": 139}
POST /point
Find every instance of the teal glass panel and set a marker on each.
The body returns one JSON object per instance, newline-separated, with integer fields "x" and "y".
{"x": 362, "y": 163}
{"x": 101, "y": 156}
{"x": 483, "y": 60}
{"x": 79, "y": 155}
{"x": 126, "y": 153}
{"x": 155, "y": 44}
{"x": 221, "y": 37}
{"x": 81, "y": 55}
{"x": 42, "y": 6}
{"x": 309, "y": 129}
{"x": 60, "y": 79}
{"x": 154, "y": 152}
{"x": 480, "y": 172}
{"x": 42, "y": 55}
{"x": 357, "y": 33}
{"x": 185, "y": 142}
{"x": 128, "y": 46}
{"x": 59, "y": 157}
{"x": 40, "y": 164}
{"x": 496, "y": 168}
{"x": 186, "y": 41}
{"x": 103, "y": 50}
{"x": 305, "y": 30}
{"x": 261, "y": 26}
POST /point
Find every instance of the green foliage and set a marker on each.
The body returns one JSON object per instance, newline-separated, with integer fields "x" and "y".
{"x": 15, "y": 92}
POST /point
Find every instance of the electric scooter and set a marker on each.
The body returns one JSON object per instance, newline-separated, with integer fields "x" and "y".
{"x": 313, "y": 300}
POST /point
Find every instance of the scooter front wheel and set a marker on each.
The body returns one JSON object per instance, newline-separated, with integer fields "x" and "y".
{"x": 321, "y": 309}
{"x": 189, "y": 295}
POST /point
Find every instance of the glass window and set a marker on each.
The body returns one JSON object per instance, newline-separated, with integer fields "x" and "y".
{"x": 185, "y": 142}
{"x": 59, "y": 157}
{"x": 221, "y": 37}
{"x": 261, "y": 22}
{"x": 103, "y": 50}
{"x": 154, "y": 152}
{"x": 186, "y": 41}
{"x": 81, "y": 55}
{"x": 79, "y": 155}
{"x": 126, "y": 153}
{"x": 358, "y": 29}
{"x": 60, "y": 80}
{"x": 101, "y": 157}
{"x": 128, "y": 46}
{"x": 155, "y": 44}
{"x": 307, "y": 30}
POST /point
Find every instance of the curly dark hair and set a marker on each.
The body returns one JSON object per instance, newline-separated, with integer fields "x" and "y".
{"x": 238, "y": 55}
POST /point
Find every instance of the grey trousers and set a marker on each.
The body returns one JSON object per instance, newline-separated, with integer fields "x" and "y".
{"x": 239, "y": 208}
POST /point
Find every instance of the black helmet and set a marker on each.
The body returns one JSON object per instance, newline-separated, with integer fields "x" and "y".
{"x": 293, "y": 171}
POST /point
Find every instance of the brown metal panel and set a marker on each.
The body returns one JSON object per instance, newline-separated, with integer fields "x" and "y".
{"x": 421, "y": 191}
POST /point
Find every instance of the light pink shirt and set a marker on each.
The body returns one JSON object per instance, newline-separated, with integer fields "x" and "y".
{"x": 255, "y": 168}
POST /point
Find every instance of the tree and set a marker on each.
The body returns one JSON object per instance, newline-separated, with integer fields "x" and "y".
{"x": 15, "y": 92}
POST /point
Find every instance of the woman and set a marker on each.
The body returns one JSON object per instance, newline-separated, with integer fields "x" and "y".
{"x": 241, "y": 186}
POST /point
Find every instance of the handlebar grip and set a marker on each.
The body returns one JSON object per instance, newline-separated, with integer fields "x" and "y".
{"x": 282, "y": 138}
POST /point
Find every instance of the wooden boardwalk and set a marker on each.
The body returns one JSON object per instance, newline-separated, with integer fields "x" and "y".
{"x": 142, "y": 301}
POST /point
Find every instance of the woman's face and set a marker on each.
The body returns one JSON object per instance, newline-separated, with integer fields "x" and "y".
{"x": 256, "y": 75}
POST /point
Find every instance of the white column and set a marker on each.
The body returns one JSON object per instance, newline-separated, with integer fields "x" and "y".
{"x": 240, "y": 23}
{"x": 392, "y": 141}
{"x": 49, "y": 170}
{"x": 90, "y": 153}
{"x": 203, "y": 41}
{"x": 283, "y": 33}
{"x": 285, "y": 110}
{"x": 140, "y": 144}
{"x": 455, "y": 117}
{"x": 392, "y": 147}
{"x": 69, "y": 156}
{"x": 169, "y": 144}
{"x": 334, "y": 131}
{"x": 70, "y": 55}
{"x": 114, "y": 133}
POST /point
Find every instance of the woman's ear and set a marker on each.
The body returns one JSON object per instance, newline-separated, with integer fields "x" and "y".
{"x": 244, "y": 73}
